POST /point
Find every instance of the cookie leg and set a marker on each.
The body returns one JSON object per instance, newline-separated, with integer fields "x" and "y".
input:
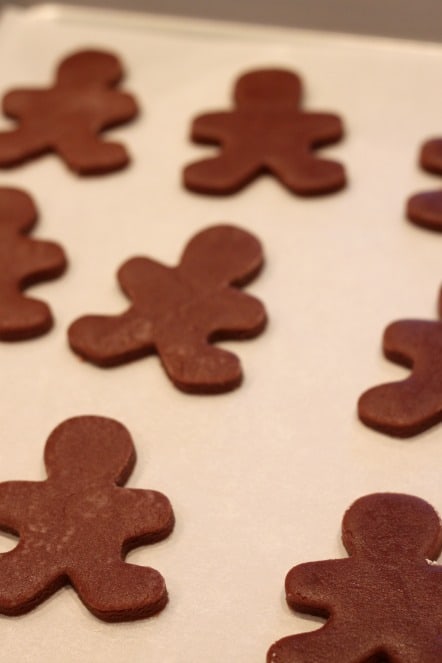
{"x": 87, "y": 154}
{"x": 18, "y": 146}
{"x": 111, "y": 340}
{"x": 428, "y": 649}
{"x": 414, "y": 343}
{"x": 410, "y": 406}
{"x": 401, "y": 409}
{"x": 431, "y": 156}
{"x": 22, "y": 318}
{"x": 232, "y": 314}
{"x": 25, "y": 581}
{"x": 223, "y": 175}
{"x": 119, "y": 591}
{"x": 425, "y": 210}
{"x": 309, "y": 175}
{"x": 197, "y": 367}
{"x": 190, "y": 361}
{"x": 326, "y": 645}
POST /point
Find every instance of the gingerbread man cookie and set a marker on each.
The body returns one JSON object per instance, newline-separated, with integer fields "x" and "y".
{"x": 425, "y": 209}
{"x": 266, "y": 132}
{"x": 179, "y": 311}
{"x": 384, "y": 602}
{"x": 409, "y": 406}
{"x": 23, "y": 261}
{"x": 69, "y": 117}
{"x": 78, "y": 525}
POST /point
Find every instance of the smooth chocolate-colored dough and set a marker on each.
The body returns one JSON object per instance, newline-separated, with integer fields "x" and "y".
{"x": 425, "y": 209}
{"x": 23, "y": 261}
{"x": 178, "y": 312}
{"x": 409, "y": 406}
{"x": 266, "y": 132}
{"x": 69, "y": 117}
{"x": 383, "y": 603}
{"x": 77, "y": 526}
{"x": 431, "y": 156}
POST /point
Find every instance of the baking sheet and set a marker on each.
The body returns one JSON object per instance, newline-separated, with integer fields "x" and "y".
{"x": 259, "y": 478}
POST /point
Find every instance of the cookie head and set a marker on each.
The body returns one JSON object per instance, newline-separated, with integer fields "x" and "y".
{"x": 268, "y": 88}
{"x": 90, "y": 448}
{"x": 392, "y": 525}
{"x": 89, "y": 67}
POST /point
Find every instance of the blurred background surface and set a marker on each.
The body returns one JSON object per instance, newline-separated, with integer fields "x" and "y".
{"x": 412, "y": 19}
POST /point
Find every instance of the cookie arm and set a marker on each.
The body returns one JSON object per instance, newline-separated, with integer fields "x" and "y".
{"x": 44, "y": 260}
{"x": 145, "y": 515}
{"x": 17, "y": 103}
{"x": 120, "y": 108}
{"x": 409, "y": 342}
{"x": 23, "y": 317}
{"x": 211, "y": 127}
{"x": 425, "y": 209}
{"x": 14, "y": 497}
{"x": 329, "y": 644}
{"x": 431, "y": 156}
{"x": 24, "y": 142}
{"x": 88, "y": 154}
{"x": 222, "y": 175}
{"x": 21, "y": 144}
{"x": 111, "y": 340}
{"x": 323, "y": 128}
{"x": 408, "y": 407}
{"x": 147, "y": 282}
{"x": 314, "y": 586}
{"x": 233, "y": 314}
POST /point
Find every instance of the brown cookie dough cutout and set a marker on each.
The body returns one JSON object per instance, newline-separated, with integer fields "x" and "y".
{"x": 431, "y": 156}
{"x": 425, "y": 209}
{"x": 77, "y": 526}
{"x": 266, "y": 132}
{"x": 413, "y": 405}
{"x": 384, "y": 601}
{"x": 178, "y": 312}
{"x": 69, "y": 117}
{"x": 23, "y": 261}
